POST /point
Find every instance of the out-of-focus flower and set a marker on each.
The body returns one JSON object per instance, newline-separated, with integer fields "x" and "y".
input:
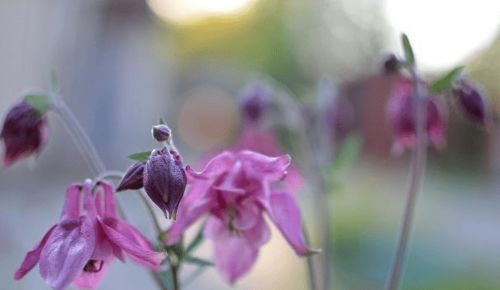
{"x": 471, "y": 101}
{"x": 80, "y": 247}
{"x": 253, "y": 102}
{"x": 165, "y": 180}
{"x": 23, "y": 132}
{"x": 391, "y": 64}
{"x": 338, "y": 114}
{"x": 401, "y": 115}
{"x": 235, "y": 191}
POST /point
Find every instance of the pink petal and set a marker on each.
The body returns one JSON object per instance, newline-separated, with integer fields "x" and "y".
{"x": 109, "y": 199}
{"x": 90, "y": 280}
{"x": 68, "y": 249}
{"x": 132, "y": 242}
{"x": 70, "y": 246}
{"x": 216, "y": 166}
{"x": 33, "y": 256}
{"x": 194, "y": 204}
{"x": 259, "y": 165}
{"x": 71, "y": 207}
{"x": 234, "y": 255}
{"x": 248, "y": 214}
{"x": 259, "y": 235}
{"x": 286, "y": 215}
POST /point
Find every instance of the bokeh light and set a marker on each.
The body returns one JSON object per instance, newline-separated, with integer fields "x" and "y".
{"x": 188, "y": 11}
{"x": 445, "y": 32}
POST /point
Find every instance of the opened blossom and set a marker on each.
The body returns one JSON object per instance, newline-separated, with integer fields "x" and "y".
{"x": 402, "y": 117}
{"x": 23, "y": 132}
{"x": 79, "y": 248}
{"x": 235, "y": 191}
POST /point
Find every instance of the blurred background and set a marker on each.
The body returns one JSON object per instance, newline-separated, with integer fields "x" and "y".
{"x": 122, "y": 64}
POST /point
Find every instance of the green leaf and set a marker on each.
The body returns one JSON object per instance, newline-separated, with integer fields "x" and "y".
{"x": 54, "y": 83}
{"x": 198, "y": 261}
{"x": 410, "y": 57}
{"x": 161, "y": 121}
{"x": 348, "y": 153}
{"x": 445, "y": 82}
{"x": 197, "y": 240}
{"x": 140, "y": 156}
{"x": 40, "y": 103}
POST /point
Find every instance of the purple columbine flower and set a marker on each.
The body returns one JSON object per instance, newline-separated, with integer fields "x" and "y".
{"x": 401, "y": 115}
{"x": 24, "y": 132}
{"x": 470, "y": 99}
{"x": 165, "y": 180}
{"x": 79, "y": 248}
{"x": 235, "y": 191}
{"x": 133, "y": 178}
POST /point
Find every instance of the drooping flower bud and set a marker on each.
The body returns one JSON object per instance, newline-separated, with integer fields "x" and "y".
{"x": 401, "y": 115}
{"x": 23, "y": 132}
{"x": 133, "y": 177}
{"x": 391, "y": 64}
{"x": 471, "y": 101}
{"x": 254, "y": 102}
{"x": 161, "y": 132}
{"x": 164, "y": 181}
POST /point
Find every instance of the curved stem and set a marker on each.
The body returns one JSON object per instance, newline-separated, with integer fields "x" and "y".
{"x": 81, "y": 139}
{"x": 417, "y": 170}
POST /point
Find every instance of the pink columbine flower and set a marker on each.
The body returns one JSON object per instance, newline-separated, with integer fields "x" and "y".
{"x": 23, "y": 132}
{"x": 80, "y": 247}
{"x": 235, "y": 191}
{"x": 401, "y": 115}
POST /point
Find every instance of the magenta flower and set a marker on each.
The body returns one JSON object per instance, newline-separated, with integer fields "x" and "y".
{"x": 23, "y": 132}
{"x": 401, "y": 115}
{"x": 235, "y": 191}
{"x": 80, "y": 247}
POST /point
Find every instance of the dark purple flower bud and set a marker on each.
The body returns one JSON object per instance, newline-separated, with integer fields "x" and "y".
{"x": 401, "y": 115}
{"x": 391, "y": 64}
{"x": 133, "y": 177}
{"x": 161, "y": 133}
{"x": 24, "y": 132}
{"x": 471, "y": 101}
{"x": 165, "y": 181}
{"x": 254, "y": 102}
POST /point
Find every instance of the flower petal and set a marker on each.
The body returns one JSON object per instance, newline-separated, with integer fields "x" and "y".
{"x": 33, "y": 256}
{"x": 71, "y": 207}
{"x": 216, "y": 166}
{"x": 68, "y": 249}
{"x": 271, "y": 168}
{"x": 132, "y": 242}
{"x": 286, "y": 215}
{"x": 234, "y": 255}
{"x": 192, "y": 206}
{"x": 90, "y": 280}
{"x": 259, "y": 235}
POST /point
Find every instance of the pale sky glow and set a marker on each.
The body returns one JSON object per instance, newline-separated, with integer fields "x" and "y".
{"x": 186, "y": 11}
{"x": 445, "y": 32}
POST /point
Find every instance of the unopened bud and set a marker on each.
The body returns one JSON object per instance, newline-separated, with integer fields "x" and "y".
{"x": 471, "y": 101}
{"x": 391, "y": 64}
{"x": 132, "y": 178}
{"x": 161, "y": 133}
{"x": 254, "y": 102}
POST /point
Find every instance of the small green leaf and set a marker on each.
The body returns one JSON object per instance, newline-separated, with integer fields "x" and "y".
{"x": 54, "y": 83}
{"x": 198, "y": 261}
{"x": 348, "y": 153}
{"x": 40, "y": 103}
{"x": 410, "y": 57}
{"x": 140, "y": 156}
{"x": 445, "y": 82}
{"x": 161, "y": 121}
{"x": 197, "y": 240}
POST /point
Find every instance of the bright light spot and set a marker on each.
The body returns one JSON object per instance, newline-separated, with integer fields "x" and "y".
{"x": 182, "y": 11}
{"x": 445, "y": 32}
